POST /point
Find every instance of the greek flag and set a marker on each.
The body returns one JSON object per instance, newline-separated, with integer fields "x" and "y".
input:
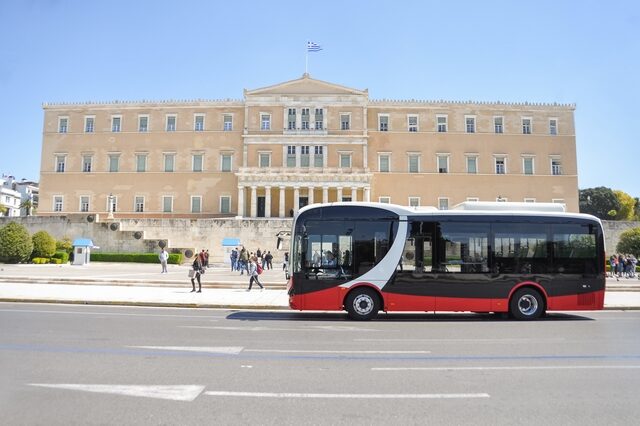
{"x": 313, "y": 47}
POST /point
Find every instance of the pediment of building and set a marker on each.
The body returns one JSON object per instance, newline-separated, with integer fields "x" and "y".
{"x": 305, "y": 86}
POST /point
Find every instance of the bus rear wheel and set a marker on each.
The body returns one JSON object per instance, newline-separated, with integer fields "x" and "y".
{"x": 526, "y": 304}
{"x": 362, "y": 304}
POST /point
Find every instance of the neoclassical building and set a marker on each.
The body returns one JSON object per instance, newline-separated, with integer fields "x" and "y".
{"x": 300, "y": 142}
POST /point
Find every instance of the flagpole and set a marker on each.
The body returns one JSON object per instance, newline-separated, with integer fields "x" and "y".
{"x": 306, "y": 61}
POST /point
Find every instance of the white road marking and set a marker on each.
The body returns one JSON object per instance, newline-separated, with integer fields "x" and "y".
{"x": 235, "y": 350}
{"x": 513, "y": 368}
{"x": 175, "y": 393}
{"x": 350, "y": 395}
{"x": 313, "y": 351}
{"x": 35, "y": 311}
{"x": 241, "y": 328}
{"x": 445, "y": 340}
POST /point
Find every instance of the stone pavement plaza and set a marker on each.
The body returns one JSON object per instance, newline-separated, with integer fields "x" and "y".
{"x": 144, "y": 285}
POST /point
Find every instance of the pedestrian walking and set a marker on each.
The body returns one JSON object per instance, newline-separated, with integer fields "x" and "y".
{"x": 164, "y": 257}
{"x": 234, "y": 259}
{"x": 253, "y": 273}
{"x": 268, "y": 260}
{"x": 285, "y": 263}
{"x": 194, "y": 273}
{"x": 244, "y": 260}
{"x": 206, "y": 259}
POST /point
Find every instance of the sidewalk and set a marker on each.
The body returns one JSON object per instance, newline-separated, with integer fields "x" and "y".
{"x": 144, "y": 285}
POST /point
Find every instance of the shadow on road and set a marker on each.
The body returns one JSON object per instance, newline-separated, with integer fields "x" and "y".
{"x": 394, "y": 317}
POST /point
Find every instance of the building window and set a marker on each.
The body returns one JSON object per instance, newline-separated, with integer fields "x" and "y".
{"x": 167, "y": 204}
{"x": 345, "y": 160}
{"x": 114, "y": 203}
{"x": 472, "y": 164}
{"x": 227, "y": 122}
{"x": 138, "y": 204}
{"x": 443, "y": 163}
{"x": 89, "y": 124}
{"x": 225, "y": 204}
{"x": 143, "y": 123}
{"x": 225, "y": 162}
{"x": 291, "y": 119}
{"x": 529, "y": 200}
{"x": 171, "y": 123}
{"x": 498, "y": 124}
{"x": 265, "y": 122}
{"x": 196, "y": 204}
{"x": 84, "y": 203}
{"x": 470, "y": 124}
{"x": 319, "y": 119}
{"x": 291, "y": 156}
{"x": 384, "y": 163}
{"x": 198, "y": 122}
{"x": 556, "y": 167}
{"x": 414, "y": 201}
{"x": 385, "y": 200}
{"x": 557, "y": 200}
{"x": 412, "y": 123}
{"x": 443, "y": 203}
{"x": 169, "y": 162}
{"x": 141, "y": 163}
{"x": 304, "y": 156}
{"x": 526, "y": 126}
{"x": 114, "y": 163}
{"x": 441, "y": 121}
{"x": 63, "y": 124}
{"x": 116, "y": 123}
{"x": 553, "y": 126}
{"x": 414, "y": 163}
{"x": 57, "y": 203}
{"x": 86, "y": 163}
{"x": 383, "y": 122}
{"x": 304, "y": 117}
{"x": 264, "y": 159}
{"x": 501, "y": 165}
{"x": 197, "y": 163}
{"x": 345, "y": 121}
{"x": 473, "y": 199}
{"x": 527, "y": 165}
{"x": 60, "y": 163}
{"x": 318, "y": 156}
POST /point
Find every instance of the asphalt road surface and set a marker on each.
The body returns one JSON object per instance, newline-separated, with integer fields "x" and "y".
{"x": 62, "y": 365}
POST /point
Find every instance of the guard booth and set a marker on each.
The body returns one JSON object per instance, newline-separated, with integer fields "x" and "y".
{"x": 228, "y": 244}
{"x": 82, "y": 251}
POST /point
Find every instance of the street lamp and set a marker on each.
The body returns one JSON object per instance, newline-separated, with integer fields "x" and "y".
{"x": 110, "y": 207}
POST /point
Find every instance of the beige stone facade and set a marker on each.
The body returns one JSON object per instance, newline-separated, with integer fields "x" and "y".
{"x": 299, "y": 142}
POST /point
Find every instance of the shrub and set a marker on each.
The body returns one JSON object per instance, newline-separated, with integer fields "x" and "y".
{"x": 174, "y": 258}
{"x": 630, "y": 242}
{"x": 65, "y": 244}
{"x": 44, "y": 245}
{"x": 15, "y": 243}
{"x": 63, "y": 256}
{"x": 55, "y": 261}
{"x": 40, "y": 260}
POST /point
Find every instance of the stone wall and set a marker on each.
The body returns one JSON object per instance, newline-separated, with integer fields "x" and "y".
{"x": 612, "y": 231}
{"x": 143, "y": 235}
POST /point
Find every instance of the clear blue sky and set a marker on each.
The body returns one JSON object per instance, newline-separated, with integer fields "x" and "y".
{"x": 582, "y": 52}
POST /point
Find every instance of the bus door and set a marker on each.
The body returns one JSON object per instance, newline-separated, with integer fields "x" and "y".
{"x": 460, "y": 277}
{"x": 410, "y": 290}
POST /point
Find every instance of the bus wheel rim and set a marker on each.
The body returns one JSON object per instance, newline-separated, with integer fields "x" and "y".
{"x": 528, "y": 304}
{"x": 363, "y": 304}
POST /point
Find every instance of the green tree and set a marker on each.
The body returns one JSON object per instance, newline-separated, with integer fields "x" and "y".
{"x": 630, "y": 242}
{"x": 28, "y": 206}
{"x": 64, "y": 244}
{"x": 627, "y": 204}
{"x": 599, "y": 202}
{"x": 15, "y": 243}
{"x": 3, "y": 210}
{"x": 44, "y": 245}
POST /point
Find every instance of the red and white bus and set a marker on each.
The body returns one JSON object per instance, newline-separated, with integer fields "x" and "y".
{"x": 520, "y": 258}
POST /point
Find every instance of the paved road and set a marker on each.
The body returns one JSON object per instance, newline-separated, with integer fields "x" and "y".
{"x": 115, "y": 365}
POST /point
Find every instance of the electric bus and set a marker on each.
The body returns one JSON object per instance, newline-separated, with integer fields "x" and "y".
{"x": 523, "y": 259}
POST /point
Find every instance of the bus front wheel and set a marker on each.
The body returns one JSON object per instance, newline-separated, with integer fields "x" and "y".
{"x": 362, "y": 304}
{"x": 526, "y": 304}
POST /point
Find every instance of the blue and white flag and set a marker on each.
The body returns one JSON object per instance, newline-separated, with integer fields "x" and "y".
{"x": 313, "y": 47}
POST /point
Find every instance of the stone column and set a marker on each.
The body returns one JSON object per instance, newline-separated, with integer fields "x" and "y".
{"x": 325, "y": 194}
{"x": 281, "y": 212}
{"x": 240, "y": 201}
{"x": 367, "y": 193}
{"x": 339, "y": 196}
{"x": 296, "y": 199}
{"x": 254, "y": 201}
{"x": 354, "y": 194}
{"x": 267, "y": 201}
{"x": 311, "y": 188}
